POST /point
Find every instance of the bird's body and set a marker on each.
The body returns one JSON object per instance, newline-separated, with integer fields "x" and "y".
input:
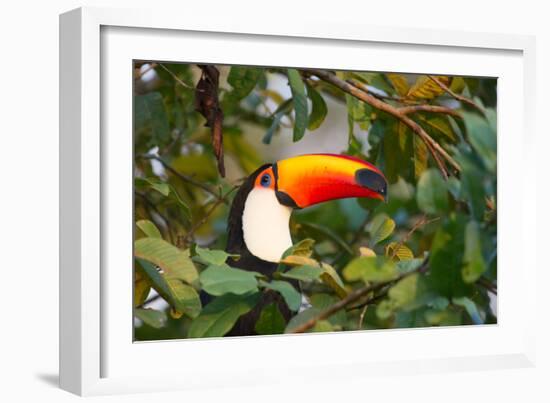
{"x": 258, "y": 224}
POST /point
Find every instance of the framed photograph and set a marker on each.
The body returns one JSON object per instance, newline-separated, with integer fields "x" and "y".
{"x": 247, "y": 204}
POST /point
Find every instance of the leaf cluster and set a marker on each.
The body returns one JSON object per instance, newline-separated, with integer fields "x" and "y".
{"x": 430, "y": 251}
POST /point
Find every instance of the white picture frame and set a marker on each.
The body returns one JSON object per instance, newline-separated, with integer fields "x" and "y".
{"x": 96, "y": 354}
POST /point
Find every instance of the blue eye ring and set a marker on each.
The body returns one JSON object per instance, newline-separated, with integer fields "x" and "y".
{"x": 265, "y": 180}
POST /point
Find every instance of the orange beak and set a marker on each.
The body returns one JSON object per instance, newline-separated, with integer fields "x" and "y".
{"x": 309, "y": 179}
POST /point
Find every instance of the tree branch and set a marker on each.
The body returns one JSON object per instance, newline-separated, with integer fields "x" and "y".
{"x": 429, "y": 108}
{"x": 487, "y": 284}
{"x": 456, "y": 96}
{"x": 360, "y": 92}
{"x": 352, "y": 297}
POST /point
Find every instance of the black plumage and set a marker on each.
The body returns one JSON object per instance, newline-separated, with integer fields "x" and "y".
{"x": 247, "y": 261}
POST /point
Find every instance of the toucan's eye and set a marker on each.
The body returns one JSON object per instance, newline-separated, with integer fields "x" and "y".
{"x": 265, "y": 180}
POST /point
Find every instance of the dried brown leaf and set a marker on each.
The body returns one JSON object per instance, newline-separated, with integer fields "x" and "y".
{"x": 208, "y": 105}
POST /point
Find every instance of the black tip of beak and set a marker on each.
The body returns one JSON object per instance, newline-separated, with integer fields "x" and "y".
{"x": 372, "y": 180}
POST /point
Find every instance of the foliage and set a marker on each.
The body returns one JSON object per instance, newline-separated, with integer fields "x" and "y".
{"x": 425, "y": 258}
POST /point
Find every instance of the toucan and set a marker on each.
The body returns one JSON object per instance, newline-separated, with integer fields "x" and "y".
{"x": 258, "y": 224}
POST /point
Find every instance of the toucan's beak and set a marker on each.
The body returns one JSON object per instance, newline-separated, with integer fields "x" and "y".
{"x": 309, "y": 179}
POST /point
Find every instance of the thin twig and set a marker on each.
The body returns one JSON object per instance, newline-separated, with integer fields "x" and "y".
{"x": 360, "y": 92}
{"x": 372, "y": 300}
{"x": 456, "y": 96}
{"x": 183, "y": 177}
{"x": 352, "y": 297}
{"x": 152, "y": 299}
{"x": 213, "y": 208}
{"x": 179, "y": 81}
{"x": 419, "y": 224}
{"x": 362, "y": 317}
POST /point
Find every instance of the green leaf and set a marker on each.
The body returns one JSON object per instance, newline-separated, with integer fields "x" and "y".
{"x": 446, "y": 259}
{"x": 156, "y": 319}
{"x": 426, "y": 88}
{"x": 142, "y": 286}
{"x": 213, "y": 256}
{"x": 155, "y": 184}
{"x": 402, "y": 295}
{"x": 399, "y": 251}
{"x": 472, "y": 184}
{"x": 174, "y": 262}
{"x": 483, "y": 138}
{"x": 271, "y": 321}
{"x": 399, "y": 152}
{"x": 158, "y": 282}
{"x": 318, "y": 109}
{"x": 148, "y": 228}
{"x": 150, "y": 116}
{"x": 404, "y": 292}
{"x": 219, "y": 316}
{"x": 296, "y": 260}
{"x": 302, "y": 318}
{"x": 322, "y": 326}
{"x": 299, "y": 100}
{"x": 438, "y": 125}
{"x": 470, "y": 307}
{"x": 431, "y": 195}
{"x": 181, "y": 296}
{"x": 283, "y": 109}
{"x": 302, "y": 248}
{"x": 399, "y": 82}
{"x": 457, "y": 85}
{"x": 331, "y": 278}
{"x": 420, "y": 150}
{"x": 304, "y": 273}
{"x": 439, "y": 303}
{"x": 187, "y": 300}
{"x": 474, "y": 264}
{"x": 292, "y": 297}
{"x": 370, "y": 269}
{"x": 359, "y": 111}
{"x": 444, "y": 317}
{"x": 324, "y": 301}
{"x": 166, "y": 189}
{"x": 243, "y": 80}
{"x": 219, "y": 280}
{"x": 406, "y": 266}
{"x": 380, "y": 228}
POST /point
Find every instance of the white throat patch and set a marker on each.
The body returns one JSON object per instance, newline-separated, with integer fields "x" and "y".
{"x": 265, "y": 225}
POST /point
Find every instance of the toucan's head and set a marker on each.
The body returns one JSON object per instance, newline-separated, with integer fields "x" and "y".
{"x": 310, "y": 179}
{"x": 261, "y": 209}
